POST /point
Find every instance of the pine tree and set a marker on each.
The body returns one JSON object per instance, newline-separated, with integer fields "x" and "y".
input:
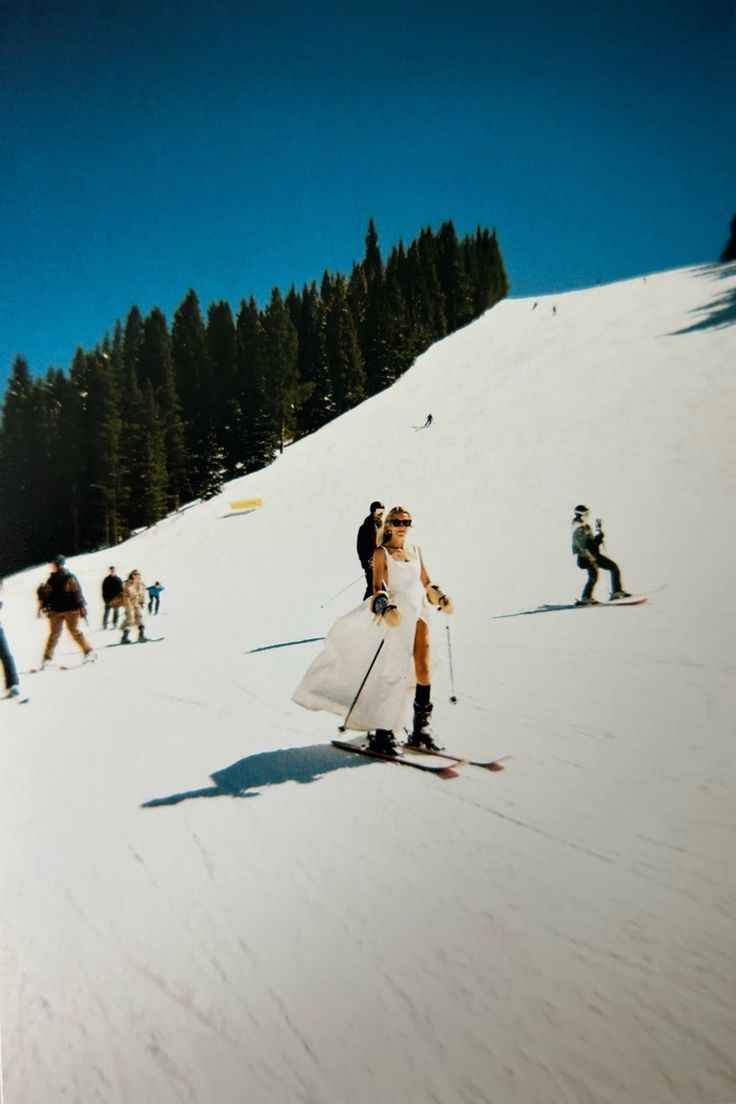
{"x": 369, "y": 329}
{"x": 61, "y": 429}
{"x": 343, "y": 351}
{"x": 319, "y": 404}
{"x": 132, "y": 341}
{"x": 453, "y": 278}
{"x": 222, "y": 351}
{"x": 394, "y": 348}
{"x": 283, "y": 394}
{"x": 17, "y": 444}
{"x": 258, "y": 434}
{"x": 72, "y": 429}
{"x": 425, "y": 303}
{"x": 195, "y": 390}
{"x": 153, "y": 498}
{"x": 132, "y": 427}
{"x": 104, "y": 430}
{"x": 156, "y": 368}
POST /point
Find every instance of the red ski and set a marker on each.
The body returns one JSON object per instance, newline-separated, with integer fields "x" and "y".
{"x": 486, "y": 764}
{"x": 445, "y": 769}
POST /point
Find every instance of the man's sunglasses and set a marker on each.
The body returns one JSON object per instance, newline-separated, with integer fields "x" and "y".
{"x": 397, "y": 522}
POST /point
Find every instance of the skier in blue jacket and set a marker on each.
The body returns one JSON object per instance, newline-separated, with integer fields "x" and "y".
{"x": 154, "y": 596}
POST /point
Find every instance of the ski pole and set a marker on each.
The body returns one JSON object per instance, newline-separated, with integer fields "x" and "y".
{"x": 334, "y": 596}
{"x": 344, "y": 725}
{"x": 452, "y": 676}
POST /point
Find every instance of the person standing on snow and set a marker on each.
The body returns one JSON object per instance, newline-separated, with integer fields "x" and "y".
{"x": 134, "y": 600}
{"x": 586, "y": 545}
{"x": 63, "y": 598}
{"x": 9, "y": 669}
{"x": 366, "y": 543}
{"x": 112, "y": 596}
{"x": 388, "y": 632}
{"x": 154, "y": 596}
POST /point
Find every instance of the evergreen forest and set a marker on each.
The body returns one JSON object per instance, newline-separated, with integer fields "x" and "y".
{"x": 159, "y": 415}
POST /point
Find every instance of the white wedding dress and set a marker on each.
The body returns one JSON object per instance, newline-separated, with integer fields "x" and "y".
{"x": 332, "y": 680}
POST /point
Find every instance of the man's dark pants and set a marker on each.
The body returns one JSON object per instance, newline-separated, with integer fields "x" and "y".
{"x": 11, "y": 674}
{"x": 592, "y": 569}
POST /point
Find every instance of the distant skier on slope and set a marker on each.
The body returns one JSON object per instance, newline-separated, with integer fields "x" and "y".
{"x": 387, "y": 634}
{"x": 154, "y": 596}
{"x": 586, "y": 545}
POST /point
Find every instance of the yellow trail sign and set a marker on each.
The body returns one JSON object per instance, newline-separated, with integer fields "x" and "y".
{"x": 246, "y": 504}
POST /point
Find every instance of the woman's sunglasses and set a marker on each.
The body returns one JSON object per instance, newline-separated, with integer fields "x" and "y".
{"x": 397, "y": 522}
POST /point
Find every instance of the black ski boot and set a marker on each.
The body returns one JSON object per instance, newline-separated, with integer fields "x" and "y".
{"x": 126, "y": 637}
{"x": 142, "y": 638}
{"x": 421, "y": 736}
{"x": 383, "y": 741}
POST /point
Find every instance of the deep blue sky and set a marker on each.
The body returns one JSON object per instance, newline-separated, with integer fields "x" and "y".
{"x": 152, "y": 147}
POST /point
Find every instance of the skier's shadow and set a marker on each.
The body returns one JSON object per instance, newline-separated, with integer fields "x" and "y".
{"x": 249, "y": 777}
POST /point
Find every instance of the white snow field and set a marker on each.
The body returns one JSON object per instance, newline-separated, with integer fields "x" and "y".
{"x": 201, "y": 900}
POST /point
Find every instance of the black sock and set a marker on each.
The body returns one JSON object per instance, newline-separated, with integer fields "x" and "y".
{"x": 422, "y": 694}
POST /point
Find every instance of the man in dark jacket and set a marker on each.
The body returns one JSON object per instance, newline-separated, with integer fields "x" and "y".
{"x": 586, "y": 545}
{"x": 366, "y": 543}
{"x": 65, "y": 603}
{"x": 112, "y": 596}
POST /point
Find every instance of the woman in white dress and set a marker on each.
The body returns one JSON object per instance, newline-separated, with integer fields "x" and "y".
{"x": 388, "y": 635}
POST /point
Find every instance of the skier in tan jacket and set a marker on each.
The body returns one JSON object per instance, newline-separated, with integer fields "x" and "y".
{"x": 134, "y": 600}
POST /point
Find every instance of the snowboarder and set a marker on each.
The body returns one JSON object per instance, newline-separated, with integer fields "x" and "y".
{"x": 112, "y": 596}
{"x": 366, "y": 542}
{"x": 389, "y": 631}
{"x": 12, "y": 689}
{"x": 427, "y": 422}
{"x": 63, "y": 598}
{"x": 586, "y": 545}
{"x": 154, "y": 596}
{"x": 134, "y": 599}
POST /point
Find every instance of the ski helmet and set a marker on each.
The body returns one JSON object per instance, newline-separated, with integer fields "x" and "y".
{"x": 581, "y": 510}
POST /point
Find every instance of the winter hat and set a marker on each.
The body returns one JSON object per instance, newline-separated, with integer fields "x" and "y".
{"x": 377, "y": 506}
{"x": 582, "y": 510}
{"x": 59, "y": 560}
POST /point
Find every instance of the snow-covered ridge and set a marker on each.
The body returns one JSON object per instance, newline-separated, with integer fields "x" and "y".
{"x": 344, "y": 931}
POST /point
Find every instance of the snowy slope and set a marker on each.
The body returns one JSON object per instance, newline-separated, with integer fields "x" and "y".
{"x": 328, "y": 929}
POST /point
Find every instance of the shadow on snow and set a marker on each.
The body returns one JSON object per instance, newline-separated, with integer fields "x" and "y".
{"x": 248, "y": 777}
{"x": 717, "y": 314}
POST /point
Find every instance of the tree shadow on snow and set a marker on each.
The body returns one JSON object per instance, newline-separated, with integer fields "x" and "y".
{"x": 717, "y": 314}
{"x": 249, "y": 777}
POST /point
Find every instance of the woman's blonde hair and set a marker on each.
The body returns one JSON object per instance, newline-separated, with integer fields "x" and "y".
{"x": 385, "y": 535}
